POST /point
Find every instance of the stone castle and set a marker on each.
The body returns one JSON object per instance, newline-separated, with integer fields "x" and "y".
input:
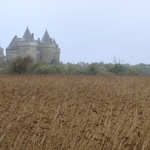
{"x": 46, "y": 50}
{"x": 1, "y": 52}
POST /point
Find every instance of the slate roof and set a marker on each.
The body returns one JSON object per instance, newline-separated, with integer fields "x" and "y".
{"x": 14, "y": 44}
{"x": 53, "y": 41}
{"x": 46, "y": 38}
{"x": 27, "y": 36}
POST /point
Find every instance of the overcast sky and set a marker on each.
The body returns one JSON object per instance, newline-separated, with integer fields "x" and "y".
{"x": 85, "y": 30}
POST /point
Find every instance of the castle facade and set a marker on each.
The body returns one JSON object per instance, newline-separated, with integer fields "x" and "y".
{"x": 45, "y": 50}
{"x": 1, "y": 52}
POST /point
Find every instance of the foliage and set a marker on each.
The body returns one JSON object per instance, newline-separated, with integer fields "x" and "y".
{"x": 26, "y": 65}
{"x": 96, "y": 68}
{"x": 21, "y": 65}
{"x": 2, "y": 62}
{"x": 118, "y": 69}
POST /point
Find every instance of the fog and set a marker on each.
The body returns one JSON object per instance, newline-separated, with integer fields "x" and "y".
{"x": 86, "y": 31}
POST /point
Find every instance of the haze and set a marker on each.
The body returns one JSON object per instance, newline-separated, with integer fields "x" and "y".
{"x": 85, "y": 30}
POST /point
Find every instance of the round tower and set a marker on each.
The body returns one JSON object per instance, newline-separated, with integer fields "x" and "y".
{"x": 48, "y": 49}
{"x": 27, "y": 45}
{"x": 57, "y": 51}
{"x": 1, "y": 52}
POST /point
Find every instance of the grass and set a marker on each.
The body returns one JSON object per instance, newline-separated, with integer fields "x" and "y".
{"x": 74, "y": 112}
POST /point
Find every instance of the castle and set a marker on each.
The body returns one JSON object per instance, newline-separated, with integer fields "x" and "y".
{"x": 1, "y": 52}
{"x": 45, "y": 50}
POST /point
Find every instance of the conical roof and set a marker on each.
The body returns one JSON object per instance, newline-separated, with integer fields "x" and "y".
{"x": 13, "y": 44}
{"x": 46, "y": 38}
{"x": 27, "y": 36}
{"x": 53, "y": 41}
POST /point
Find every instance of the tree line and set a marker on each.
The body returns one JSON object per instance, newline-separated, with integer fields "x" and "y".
{"x": 26, "y": 65}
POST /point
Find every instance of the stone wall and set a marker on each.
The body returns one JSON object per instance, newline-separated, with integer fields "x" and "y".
{"x": 27, "y": 49}
{"x": 12, "y": 54}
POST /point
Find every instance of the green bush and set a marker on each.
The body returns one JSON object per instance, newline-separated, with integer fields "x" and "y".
{"x": 26, "y": 65}
{"x": 118, "y": 69}
{"x": 2, "y": 70}
{"x": 45, "y": 69}
{"x": 96, "y": 68}
{"x": 21, "y": 65}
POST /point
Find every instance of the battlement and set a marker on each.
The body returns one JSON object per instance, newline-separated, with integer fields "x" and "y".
{"x": 45, "y": 49}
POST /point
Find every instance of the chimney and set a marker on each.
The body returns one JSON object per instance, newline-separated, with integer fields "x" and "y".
{"x": 32, "y": 36}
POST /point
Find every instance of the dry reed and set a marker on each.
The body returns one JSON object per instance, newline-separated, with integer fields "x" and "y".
{"x": 74, "y": 112}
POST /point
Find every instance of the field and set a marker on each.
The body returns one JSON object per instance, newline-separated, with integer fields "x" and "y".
{"x": 74, "y": 112}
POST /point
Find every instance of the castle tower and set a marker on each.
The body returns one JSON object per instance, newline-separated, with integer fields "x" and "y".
{"x": 57, "y": 51}
{"x": 27, "y": 45}
{"x": 12, "y": 51}
{"x": 46, "y": 49}
{"x": 49, "y": 49}
{"x": 1, "y": 52}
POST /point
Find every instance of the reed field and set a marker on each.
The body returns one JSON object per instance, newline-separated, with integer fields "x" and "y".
{"x": 73, "y": 112}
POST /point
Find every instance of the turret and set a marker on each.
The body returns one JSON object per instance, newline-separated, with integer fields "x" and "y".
{"x": 27, "y": 45}
{"x": 27, "y": 36}
{"x": 46, "y": 38}
{"x": 57, "y": 51}
{"x": 12, "y": 51}
{"x": 1, "y": 51}
{"x": 48, "y": 48}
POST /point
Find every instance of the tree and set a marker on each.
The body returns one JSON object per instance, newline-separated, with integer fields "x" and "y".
{"x": 21, "y": 65}
{"x": 118, "y": 69}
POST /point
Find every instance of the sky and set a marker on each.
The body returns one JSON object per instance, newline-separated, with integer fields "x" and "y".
{"x": 85, "y": 30}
